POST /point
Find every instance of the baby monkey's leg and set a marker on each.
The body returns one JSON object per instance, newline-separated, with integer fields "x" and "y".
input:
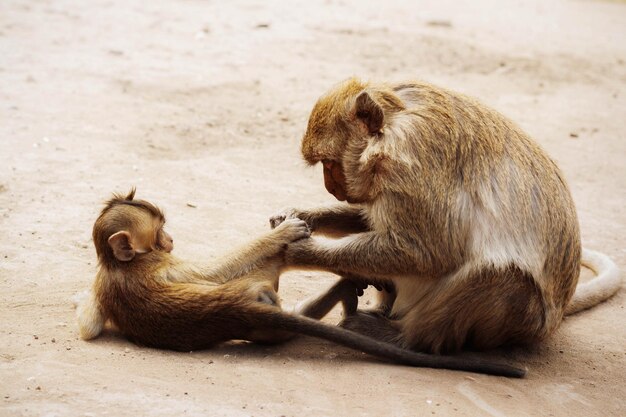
{"x": 375, "y": 323}
{"x": 345, "y": 291}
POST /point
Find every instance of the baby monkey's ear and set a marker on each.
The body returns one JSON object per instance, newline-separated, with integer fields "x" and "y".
{"x": 122, "y": 247}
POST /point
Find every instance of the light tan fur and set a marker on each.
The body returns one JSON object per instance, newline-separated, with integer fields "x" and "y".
{"x": 602, "y": 287}
{"x": 90, "y": 319}
{"x": 454, "y": 205}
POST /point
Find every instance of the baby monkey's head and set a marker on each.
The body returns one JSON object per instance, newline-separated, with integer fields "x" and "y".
{"x": 127, "y": 228}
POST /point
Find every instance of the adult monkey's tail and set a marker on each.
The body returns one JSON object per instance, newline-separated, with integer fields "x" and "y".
{"x": 604, "y": 285}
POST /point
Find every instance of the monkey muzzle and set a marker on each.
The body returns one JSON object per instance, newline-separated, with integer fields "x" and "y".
{"x": 335, "y": 180}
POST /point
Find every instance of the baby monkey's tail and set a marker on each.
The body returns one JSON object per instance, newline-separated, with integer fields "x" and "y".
{"x": 306, "y": 326}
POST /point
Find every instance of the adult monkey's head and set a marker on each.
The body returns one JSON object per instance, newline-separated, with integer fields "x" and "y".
{"x": 346, "y": 134}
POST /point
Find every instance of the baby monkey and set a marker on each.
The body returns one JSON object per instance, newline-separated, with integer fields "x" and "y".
{"x": 157, "y": 300}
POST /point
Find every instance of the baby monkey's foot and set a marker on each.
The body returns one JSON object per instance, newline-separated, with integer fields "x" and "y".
{"x": 291, "y": 230}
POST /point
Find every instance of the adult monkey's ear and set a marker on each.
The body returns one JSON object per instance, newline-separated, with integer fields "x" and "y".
{"x": 122, "y": 247}
{"x": 369, "y": 112}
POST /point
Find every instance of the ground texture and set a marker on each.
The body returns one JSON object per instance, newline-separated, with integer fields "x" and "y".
{"x": 201, "y": 106}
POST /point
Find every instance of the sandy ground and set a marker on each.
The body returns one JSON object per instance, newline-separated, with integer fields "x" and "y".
{"x": 201, "y": 106}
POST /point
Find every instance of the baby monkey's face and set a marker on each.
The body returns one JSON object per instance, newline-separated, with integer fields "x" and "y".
{"x": 150, "y": 233}
{"x": 163, "y": 240}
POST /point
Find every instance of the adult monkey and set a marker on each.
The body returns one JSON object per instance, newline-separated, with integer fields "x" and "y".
{"x": 454, "y": 205}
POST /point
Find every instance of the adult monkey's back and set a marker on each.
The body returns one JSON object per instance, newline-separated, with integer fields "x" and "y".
{"x": 456, "y": 206}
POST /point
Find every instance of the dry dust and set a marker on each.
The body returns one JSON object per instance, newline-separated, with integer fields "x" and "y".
{"x": 201, "y": 106}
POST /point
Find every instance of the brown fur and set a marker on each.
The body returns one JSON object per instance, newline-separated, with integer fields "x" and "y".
{"x": 467, "y": 216}
{"x": 157, "y": 300}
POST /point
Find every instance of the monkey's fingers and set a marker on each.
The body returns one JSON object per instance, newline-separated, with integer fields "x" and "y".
{"x": 276, "y": 220}
{"x": 285, "y": 214}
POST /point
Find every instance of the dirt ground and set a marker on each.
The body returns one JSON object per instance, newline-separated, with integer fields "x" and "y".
{"x": 201, "y": 105}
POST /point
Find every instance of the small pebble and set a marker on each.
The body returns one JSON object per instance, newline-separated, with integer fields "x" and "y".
{"x": 439, "y": 23}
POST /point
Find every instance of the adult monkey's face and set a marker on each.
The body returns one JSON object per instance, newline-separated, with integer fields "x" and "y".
{"x": 335, "y": 180}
